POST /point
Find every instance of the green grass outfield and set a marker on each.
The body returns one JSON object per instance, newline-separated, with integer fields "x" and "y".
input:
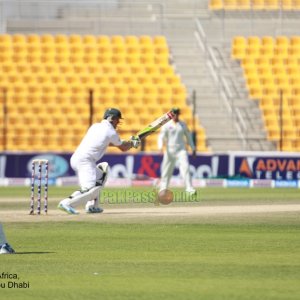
{"x": 252, "y": 258}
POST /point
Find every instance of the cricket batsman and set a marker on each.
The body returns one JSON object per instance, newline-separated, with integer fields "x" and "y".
{"x": 174, "y": 136}
{"x": 92, "y": 176}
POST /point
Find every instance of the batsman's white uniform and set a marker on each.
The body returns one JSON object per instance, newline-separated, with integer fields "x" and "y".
{"x": 175, "y": 135}
{"x": 83, "y": 161}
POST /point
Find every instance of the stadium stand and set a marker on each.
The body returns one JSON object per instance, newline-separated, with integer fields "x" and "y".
{"x": 257, "y": 5}
{"x": 48, "y": 78}
{"x": 272, "y": 74}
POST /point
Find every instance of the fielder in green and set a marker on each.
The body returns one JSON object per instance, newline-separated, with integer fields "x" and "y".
{"x": 175, "y": 135}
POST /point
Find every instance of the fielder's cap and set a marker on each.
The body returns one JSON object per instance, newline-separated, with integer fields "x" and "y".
{"x": 176, "y": 110}
{"x": 112, "y": 112}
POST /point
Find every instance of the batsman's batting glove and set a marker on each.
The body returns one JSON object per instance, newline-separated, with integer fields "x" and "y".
{"x": 135, "y": 141}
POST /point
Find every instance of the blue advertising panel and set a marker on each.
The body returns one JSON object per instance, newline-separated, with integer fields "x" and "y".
{"x": 234, "y": 165}
{"x": 121, "y": 165}
{"x": 267, "y": 166}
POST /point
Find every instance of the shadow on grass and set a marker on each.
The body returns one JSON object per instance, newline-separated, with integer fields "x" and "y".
{"x": 146, "y": 213}
{"x": 23, "y": 253}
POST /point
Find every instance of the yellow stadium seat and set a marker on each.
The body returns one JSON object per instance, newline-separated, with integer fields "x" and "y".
{"x": 230, "y": 4}
{"x": 271, "y": 4}
{"x": 48, "y": 57}
{"x": 254, "y": 81}
{"x": 161, "y": 49}
{"x": 19, "y": 38}
{"x": 267, "y": 52}
{"x": 7, "y": 67}
{"x": 75, "y": 39}
{"x": 294, "y": 80}
{"x": 256, "y": 91}
{"x": 253, "y": 41}
{"x": 296, "y": 4}
{"x": 34, "y": 57}
{"x": 286, "y": 145}
{"x": 238, "y": 47}
{"x": 62, "y": 57}
{"x": 281, "y": 53}
{"x": 160, "y": 40}
{"x": 290, "y": 132}
{"x": 258, "y": 4}
{"x": 273, "y": 134}
{"x": 90, "y": 48}
{"x": 6, "y": 57}
{"x": 294, "y": 52}
{"x": 132, "y": 44}
{"x": 251, "y": 71}
{"x": 117, "y": 40}
{"x": 267, "y": 46}
{"x": 282, "y": 41}
{"x": 131, "y": 40}
{"x": 61, "y": 39}
{"x": 215, "y": 4}
{"x": 152, "y": 70}
{"x": 145, "y": 40}
{"x": 243, "y": 4}
{"x": 166, "y": 70}
{"x": 295, "y": 41}
{"x": 267, "y": 41}
{"x": 62, "y": 44}
{"x": 118, "y": 58}
{"x": 133, "y": 59}
{"x": 287, "y": 4}
{"x": 253, "y": 52}
{"x": 89, "y": 39}
{"x": 65, "y": 68}
{"x": 158, "y": 79}
{"x": 47, "y": 39}
{"x": 103, "y": 40}
{"x": 5, "y": 39}
{"x": 129, "y": 79}
{"x": 20, "y": 57}
{"x": 86, "y": 80}
{"x": 147, "y": 59}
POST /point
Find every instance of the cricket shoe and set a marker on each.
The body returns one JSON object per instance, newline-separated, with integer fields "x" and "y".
{"x": 94, "y": 210}
{"x": 6, "y": 249}
{"x": 68, "y": 209}
{"x": 191, "y": 192}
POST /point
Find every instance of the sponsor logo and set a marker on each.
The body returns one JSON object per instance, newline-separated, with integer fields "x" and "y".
{"x": 286, "y": 183}
{"x": 262, "y": 183}
{"x": 280, "y": 168}
{"x": 58, "y": 166}
{"x": 238, "y": 183}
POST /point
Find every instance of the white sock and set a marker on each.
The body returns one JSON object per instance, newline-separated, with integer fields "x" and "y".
{"x": 93, "y": 203}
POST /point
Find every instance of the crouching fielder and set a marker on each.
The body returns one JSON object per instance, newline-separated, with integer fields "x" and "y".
{"x": 92, "y": 176}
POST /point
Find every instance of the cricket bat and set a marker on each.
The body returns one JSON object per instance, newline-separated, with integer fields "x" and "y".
{"x": 155, "y": 125}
